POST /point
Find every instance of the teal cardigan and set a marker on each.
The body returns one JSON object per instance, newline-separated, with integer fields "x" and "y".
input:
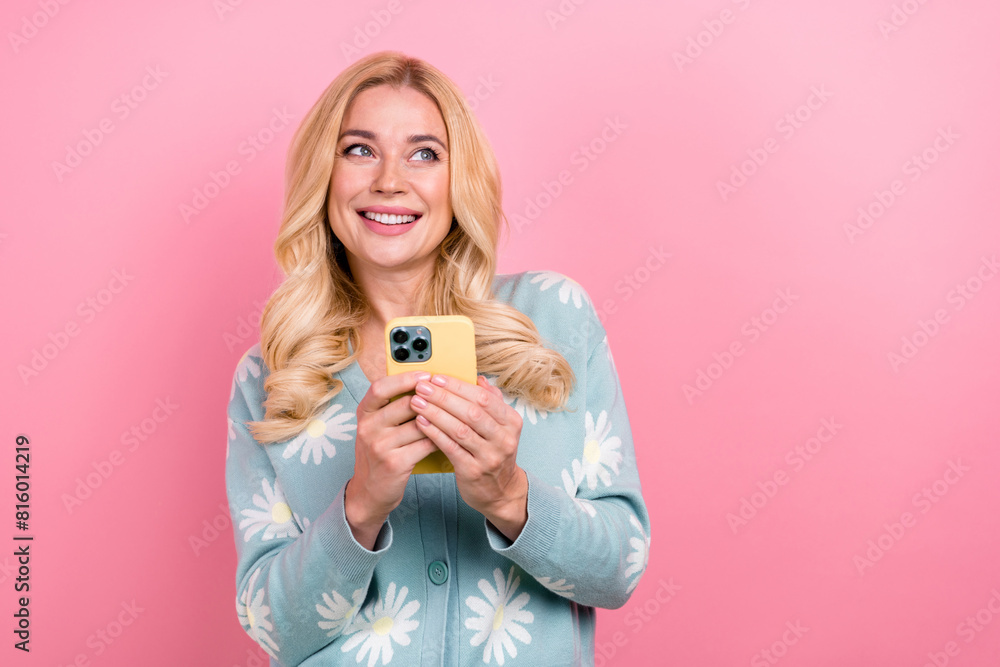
{"x": 442, "y": 586}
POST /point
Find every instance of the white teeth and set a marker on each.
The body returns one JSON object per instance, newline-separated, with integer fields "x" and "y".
{"x": 388, "y": 218}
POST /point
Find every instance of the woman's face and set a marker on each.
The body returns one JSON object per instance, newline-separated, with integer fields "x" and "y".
{"x": 389, "y": 190}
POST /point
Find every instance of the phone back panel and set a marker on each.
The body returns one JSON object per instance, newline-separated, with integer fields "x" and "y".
{"x": 453, "y": 347}
{"x": 453, "y": 352}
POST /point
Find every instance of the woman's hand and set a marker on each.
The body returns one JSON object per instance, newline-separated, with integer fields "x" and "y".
{"x": 479, "y": 434}
{"x": 387, "y": 446}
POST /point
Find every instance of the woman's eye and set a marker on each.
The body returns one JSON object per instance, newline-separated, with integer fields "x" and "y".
{"x": 358, "y": 149}
{"x": 426, "y": 154}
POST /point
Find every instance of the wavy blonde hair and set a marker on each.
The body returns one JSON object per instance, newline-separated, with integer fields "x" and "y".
{"x": 311, "y": 321}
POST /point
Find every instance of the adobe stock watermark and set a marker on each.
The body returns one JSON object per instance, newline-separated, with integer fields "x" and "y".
{"x": 752, "y": 330}
{"x": 32, "y": 23}
{"x": 899, "y": 16}
{"x": 59, "y": 340}
{"x": 246, "y": 327}
{"x": 923, "y": 500}
{"x": 249, "y": 148}
{"x": 638, "y": 618}
{"x": 562, "y": 12}
{"x": 967, "y": 630}
{"x": 101, "y": 639}
{"x": 741, "y": 172}
{"x": 915, "y": 166}
{"x": 103, "y": 468}
{"x": 255, "y": 659}
{"x": 632, "y": 281}
{"x": 581, "y": 158}
{"x": 712, "y": 29}
{"x": 211, "y": 530}
{"x": 796, "y": 458}
{"x": 961, "y": 294}
{"x": 223, "y": 8}
{"x": 628, "y": 285}
{"x": 779, "y": 647}
{"x": 121, "y": 108}
{"x": 484, "y": 89}
{"x": 366, "y": 33}
{"x": 406, "y": 508}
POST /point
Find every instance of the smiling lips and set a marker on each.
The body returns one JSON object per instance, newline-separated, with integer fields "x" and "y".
{"x": 389, "y": 220}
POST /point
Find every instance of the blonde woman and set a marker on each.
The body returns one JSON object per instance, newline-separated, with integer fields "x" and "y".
{"x": 393, "y": 208}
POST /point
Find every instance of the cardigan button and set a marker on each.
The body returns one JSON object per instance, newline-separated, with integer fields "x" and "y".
{"x": 438, "y": 572}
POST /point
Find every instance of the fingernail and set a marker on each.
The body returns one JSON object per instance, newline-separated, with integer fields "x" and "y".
{"x": 424, "y": 388}
{"x": 423, "y": 420}
{"x": 419, "y": 402}
{"x": 423, "y": 376}
{"x": 439, "y": 380}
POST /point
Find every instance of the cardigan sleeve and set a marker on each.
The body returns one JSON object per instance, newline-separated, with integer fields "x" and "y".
{"x": 589, "y": 540}
{"x": 299, "y": 584}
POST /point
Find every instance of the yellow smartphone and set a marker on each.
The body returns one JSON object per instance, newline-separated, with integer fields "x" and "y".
{"x": 444, "y": 344}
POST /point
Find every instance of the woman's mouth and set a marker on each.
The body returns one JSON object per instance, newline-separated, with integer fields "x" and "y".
{"x": 389, "y": 218}
{"x": 389, "y": 224}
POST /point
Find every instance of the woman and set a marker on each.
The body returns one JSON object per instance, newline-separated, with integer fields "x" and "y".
{"x": 392, "y": 208}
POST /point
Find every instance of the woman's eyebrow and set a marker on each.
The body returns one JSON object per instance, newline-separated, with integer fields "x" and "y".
{"x": 364, "y": 134}
{"x": 419, "y": 138}
{"x": 371, "y": 136}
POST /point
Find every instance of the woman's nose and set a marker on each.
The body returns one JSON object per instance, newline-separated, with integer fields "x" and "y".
{"x": 389, "y": 178}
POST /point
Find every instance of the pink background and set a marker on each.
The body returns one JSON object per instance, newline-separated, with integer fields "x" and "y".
{"x": 720, "y": 588}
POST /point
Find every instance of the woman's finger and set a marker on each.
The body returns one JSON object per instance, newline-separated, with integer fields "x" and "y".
{"x": 468, "y": 433}
{"x": 414, "y": 452}
{"x": 468, "y": 402}
{"x": 396, "y": 412}
{"x": 383, "y": 390}
{"x": 459, "y": 456}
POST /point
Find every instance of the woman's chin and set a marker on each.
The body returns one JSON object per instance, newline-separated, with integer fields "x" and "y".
{"x": 402, "y": 261}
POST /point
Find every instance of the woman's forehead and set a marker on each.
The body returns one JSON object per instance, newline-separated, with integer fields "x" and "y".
{"x": 384, "y": 112}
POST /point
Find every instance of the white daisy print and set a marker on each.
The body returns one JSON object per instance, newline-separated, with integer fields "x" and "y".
{"x": 559, "y": 587}
{"x": 249, "y": 365}
{"x": 599, "y": 451}
{"x": 338, "y": 611}
{"x": 499, "y": 617}
{"x": 318, "y": 435}
{"x": 570, "y": 289}
{"x": 381, "y": 624}
{"x": 571, "y": 485}
{"x": 274, "y": 516}
{"x": 639, "y": 556}
{"x": 527, "y": 411}
{"x": 253, "y": 615}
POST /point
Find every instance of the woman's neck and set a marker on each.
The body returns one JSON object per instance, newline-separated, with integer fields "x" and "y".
{"x": 390, "y": 293}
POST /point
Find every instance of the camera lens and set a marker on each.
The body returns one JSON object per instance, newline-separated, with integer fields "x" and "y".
{"x": 401, "y": 354}
{"x": 400, "y": 336}
{"x": 419, "y": 344}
